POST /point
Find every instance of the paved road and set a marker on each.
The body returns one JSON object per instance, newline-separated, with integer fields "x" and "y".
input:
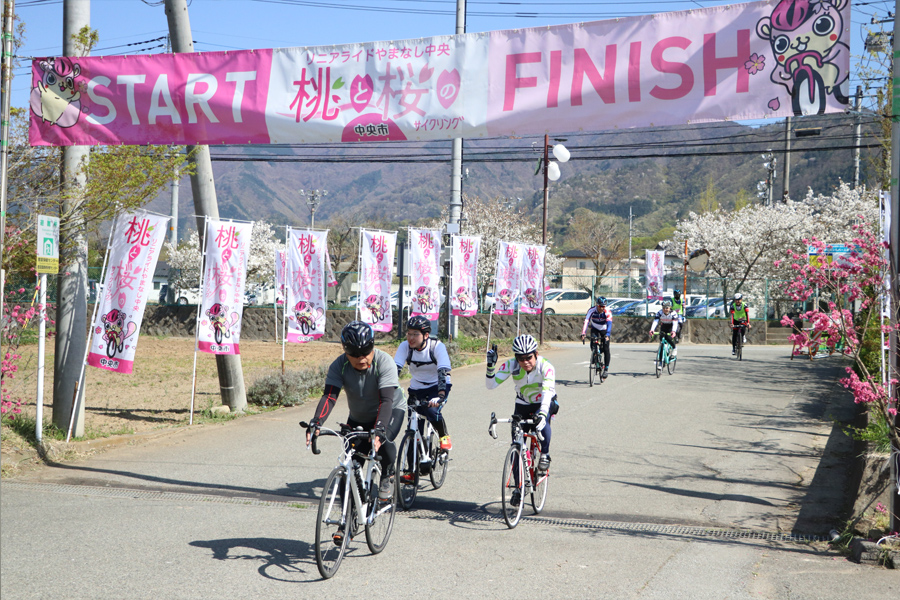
{"x": 714, "y": 482}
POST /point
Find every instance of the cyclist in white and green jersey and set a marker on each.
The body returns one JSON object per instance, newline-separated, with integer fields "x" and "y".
{"x": 535, "y": 381}
{"x": 740, "y": 320}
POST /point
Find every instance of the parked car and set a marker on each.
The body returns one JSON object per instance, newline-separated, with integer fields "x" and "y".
{"x": 623, "y": 307}
{"x": 567, "y": 302}
{"x": 713, "y": 308}
{"x": 183, "y": 297}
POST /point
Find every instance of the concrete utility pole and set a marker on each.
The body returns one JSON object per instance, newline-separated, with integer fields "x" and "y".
{"x": 457, "y": 143}
{"x": 857, "y": 138}
{"x": 5, "y": 90}
{"x": 231, "y": 377}
{"x": 895, "y": 259}
{"x": 71, "y": 308}
{"x": 787, "y": 160}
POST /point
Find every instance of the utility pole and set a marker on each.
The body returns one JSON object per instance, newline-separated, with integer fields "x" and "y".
{"x": 5, "y": 90}
{"x": 203, "y": 185}
{"x": 630, "y": 224}
{"x": 895, "y": 260}
{"x": 857, "y": 104}
{"x": 71, "y": 308}
{"x": 787, "y": 160}
{"x": 457, "y": 143}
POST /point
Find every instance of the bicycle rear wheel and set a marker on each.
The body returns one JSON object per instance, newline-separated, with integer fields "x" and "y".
{"x": 378, "y": 532}
{"x": 512, "y": 470}
{"x": 332, "y": 519}
{"x": 407, "y": 472}
{"x": 439, "y": 460}
{"x": 539, "y": 490}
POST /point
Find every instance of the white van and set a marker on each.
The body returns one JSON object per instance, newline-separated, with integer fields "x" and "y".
{"x": 567, "y": 302}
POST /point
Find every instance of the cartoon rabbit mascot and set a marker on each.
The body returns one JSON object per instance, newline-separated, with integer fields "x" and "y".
{"x": 805, "y": 38}
{"x": 56, "y": 98}
{"x": 218, "y": 321}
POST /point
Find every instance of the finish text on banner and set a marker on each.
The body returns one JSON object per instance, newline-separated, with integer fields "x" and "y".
{"x": 375, "y": 274}
{"x": 464, "y": 277}
{"x": 742, "y": 61}
{"x": 306, "y": 301}
{"x": 136, "y": 241}
{"x": 224, "y": 278}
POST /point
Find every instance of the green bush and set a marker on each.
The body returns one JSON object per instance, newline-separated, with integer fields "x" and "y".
{"x": 290, "y": 389}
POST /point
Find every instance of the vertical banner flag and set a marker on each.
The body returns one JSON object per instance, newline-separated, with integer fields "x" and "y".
{"x": 425, "y": 275}
{"x": 280, "y": 266}
{"x": 533, "y": 280}
{"x": 464, "y": 276}
{"x": 655, "y": 273}
{"x": 507, "y": 278}
{"x": 137, "y": 240}
{"x": 375, "y": 273}
{"x": 330, "y": 272}
{"x": 306, "y": 284}
{"x": 224, "y": 278}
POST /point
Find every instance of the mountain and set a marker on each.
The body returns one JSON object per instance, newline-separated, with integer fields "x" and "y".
{"x": 661, "y": 174}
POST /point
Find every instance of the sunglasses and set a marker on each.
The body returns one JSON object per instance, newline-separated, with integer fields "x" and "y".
{"x": 357, "y": 353}
{"x": 524, "y": 357}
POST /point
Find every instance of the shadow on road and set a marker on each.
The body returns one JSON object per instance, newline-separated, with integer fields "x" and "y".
{"x": 291, "y": 561}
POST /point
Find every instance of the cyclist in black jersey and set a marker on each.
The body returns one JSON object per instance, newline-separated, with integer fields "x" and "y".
{"x": 600, "y": 320}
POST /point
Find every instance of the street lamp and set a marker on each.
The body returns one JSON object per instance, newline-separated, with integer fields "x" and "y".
{"x": 551, "y": 173}
{"x": 312, "y": 201}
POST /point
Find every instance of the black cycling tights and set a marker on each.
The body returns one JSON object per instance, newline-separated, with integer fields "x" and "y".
{"x": 595, "y": 339}
{"x": 387, "y": 454}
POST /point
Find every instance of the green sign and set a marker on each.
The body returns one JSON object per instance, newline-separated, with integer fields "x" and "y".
{"x": 47, "y": 244}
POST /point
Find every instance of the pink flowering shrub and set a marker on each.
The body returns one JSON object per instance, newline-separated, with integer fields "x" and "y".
{"x": 838, "y": 287}
{"x": 16, "y": 318}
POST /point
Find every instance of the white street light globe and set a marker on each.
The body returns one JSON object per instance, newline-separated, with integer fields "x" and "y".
{"x": 553, "y": 171}
{"x": 560, "y": 152}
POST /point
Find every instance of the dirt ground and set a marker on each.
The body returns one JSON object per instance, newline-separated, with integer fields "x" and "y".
{"x": 158, "y": 393}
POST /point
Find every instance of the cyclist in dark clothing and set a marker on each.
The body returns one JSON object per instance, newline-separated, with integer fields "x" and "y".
{"x": 600, "y": 320}
{"x": 374, "y": 397}
{"x": 740, "y": 320}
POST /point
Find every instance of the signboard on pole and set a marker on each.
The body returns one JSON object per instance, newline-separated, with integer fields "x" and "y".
{"x": 47, "y": 244}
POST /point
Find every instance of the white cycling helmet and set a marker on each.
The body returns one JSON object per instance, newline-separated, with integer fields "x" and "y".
{"x": 524, "y": 344}
{"x": 738, "y": 296}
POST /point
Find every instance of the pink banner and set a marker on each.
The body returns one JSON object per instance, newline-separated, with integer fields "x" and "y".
{"x": 464, "y": 275}
{"x": 508, "y": 277}
{"x": 533, "y": 280}
{"x": 280, "y": 268}
{"x": 306, "y": 284}
{"x": 329, "y": 271}
{"x": 743, "y": 61}
{"x": 224, "y": 278}
{"x": 375, "y": 273}
{"x": 654, "y": 274}
{"x": 425, "y": 274}
{"x": 136, "y": 241}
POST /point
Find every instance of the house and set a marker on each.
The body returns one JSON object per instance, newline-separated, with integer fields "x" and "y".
{"x": 578, "y": 272}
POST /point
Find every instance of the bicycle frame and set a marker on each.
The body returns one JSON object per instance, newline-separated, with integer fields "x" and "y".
{"x": 413, "y": 425}
{"x": 664, "y": 353}
{"x": 525, "y": 441}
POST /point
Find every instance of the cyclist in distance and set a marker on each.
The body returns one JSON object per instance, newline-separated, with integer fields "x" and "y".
{"x": 678, "y": 307}
{"x": 740, "y": 320}
{"x": 599, "y": 318}
{"x": 429, "y": 367}
{"x": 669, "y": 322}
{"x": 374, "y": 396}
{"x": 535, "y": 381}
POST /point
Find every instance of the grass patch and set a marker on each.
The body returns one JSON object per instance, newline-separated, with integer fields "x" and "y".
{"x": 876, "y": 432}
{"x": 293, "y": 387}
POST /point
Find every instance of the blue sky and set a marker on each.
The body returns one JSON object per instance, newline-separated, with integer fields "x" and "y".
{"x": 237, "y": 24}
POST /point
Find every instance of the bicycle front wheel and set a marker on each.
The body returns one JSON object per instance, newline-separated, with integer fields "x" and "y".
{"x": 671, "y": 365}
{"x": 379, "y": 530}
{"x": 332, "y": 529}
{"x": 439, "y": 460}
{"x": 513, "y": 487}
{"x": 591, "y": 368}
{"x": 407, "y": 472}
{"x": 539, "y": 491}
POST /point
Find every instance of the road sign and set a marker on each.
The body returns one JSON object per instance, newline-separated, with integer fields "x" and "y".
{"x": 47, "y": 244}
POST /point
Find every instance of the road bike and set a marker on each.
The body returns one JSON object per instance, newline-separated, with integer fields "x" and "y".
{"x": 419, "y": 453}
{"x": 739, "y": 344}
{"x": 664, "y": 357}
{"x": 349, "y": 501}
{"x": 596, "y": 366}
{"x": 523, "y": 456}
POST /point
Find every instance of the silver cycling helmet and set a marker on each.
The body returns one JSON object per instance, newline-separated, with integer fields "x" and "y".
{"x": 666, "y": 304}
{"x": 524, "y": 344}
{"x": 738, "y": 296}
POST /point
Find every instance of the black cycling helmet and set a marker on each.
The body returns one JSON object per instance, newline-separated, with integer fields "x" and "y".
{"x": 419, "y": 323}
{"x": 357, "y": 338}
{"x": 677, "y": 294}
{"x": 601, "y": 301}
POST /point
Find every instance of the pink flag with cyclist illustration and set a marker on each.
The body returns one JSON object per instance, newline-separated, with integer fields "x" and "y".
{"x": 425, "y": 273}
{"x": 507, "y": 278}
{"x": 224, "y": 278}
{"x": 375, "y": 273}
{"x": 305, "y": 285}
{"x": 655, "y": 274}
{"x": 532, "y": 285}
{"x": 136, "y": 241}
{"x": 464, "y": 274}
